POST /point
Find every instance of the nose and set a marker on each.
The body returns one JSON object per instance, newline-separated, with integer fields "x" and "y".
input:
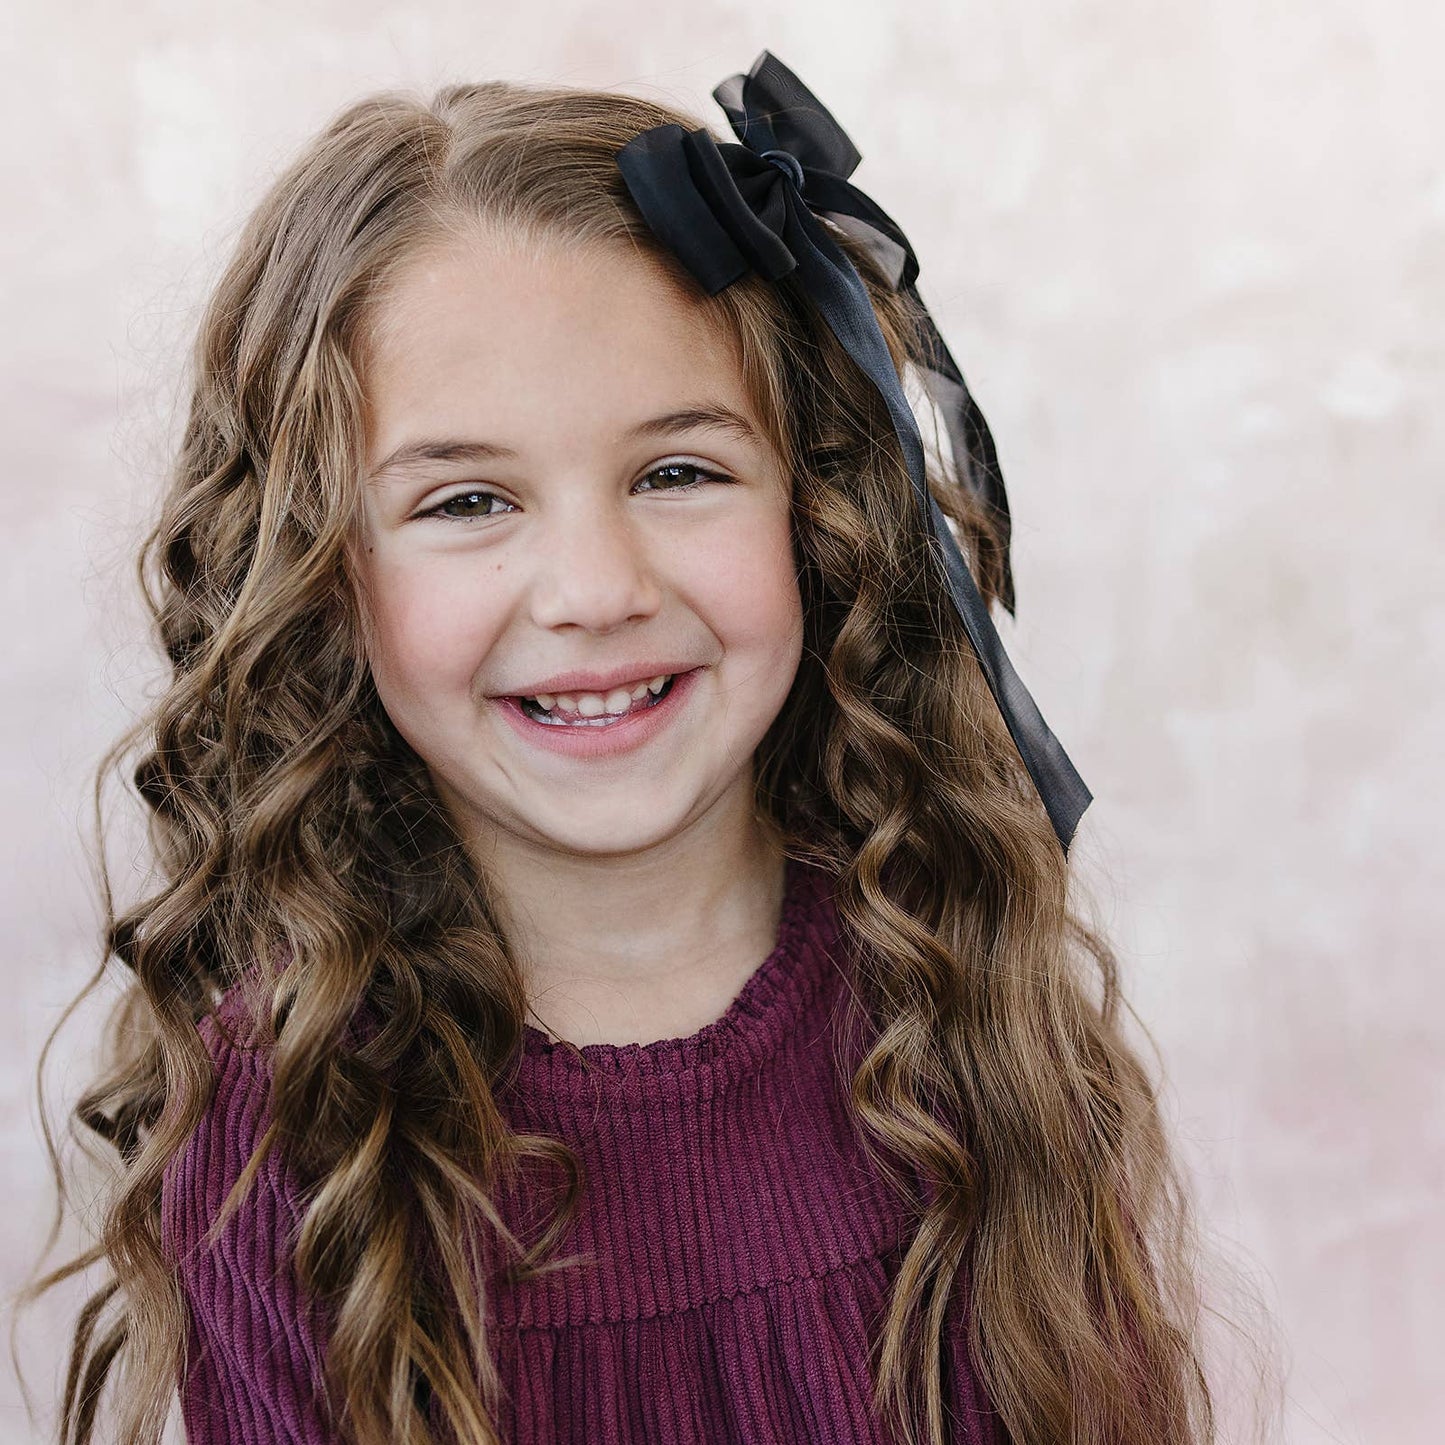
{"x": 595, "y": 570}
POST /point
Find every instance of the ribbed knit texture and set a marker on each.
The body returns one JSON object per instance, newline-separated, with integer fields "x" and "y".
{"x": 744, "y": 1243}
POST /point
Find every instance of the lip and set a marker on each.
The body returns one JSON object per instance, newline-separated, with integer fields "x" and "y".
{"x": 603, "y": 682}
{"x": 632, "y": 732}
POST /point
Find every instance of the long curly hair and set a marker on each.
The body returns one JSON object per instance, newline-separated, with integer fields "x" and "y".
{"x": 302, "y": 855}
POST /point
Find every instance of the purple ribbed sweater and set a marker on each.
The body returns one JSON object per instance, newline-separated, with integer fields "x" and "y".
{"x": 744, "y": 1243}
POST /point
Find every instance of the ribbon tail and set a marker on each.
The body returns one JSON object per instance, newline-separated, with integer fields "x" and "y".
{"x": 1064, "y": 793}
{"x": 838, "y": 291}
{"x": 975, "y": 457}
{"x": 974, "y": 453}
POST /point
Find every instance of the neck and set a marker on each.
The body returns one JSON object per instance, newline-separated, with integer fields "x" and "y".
{"x": 643, "y": 946}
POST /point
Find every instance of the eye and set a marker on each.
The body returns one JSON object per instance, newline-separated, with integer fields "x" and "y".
{"x": 466, "y": 500}
{"x": 691, "y": 468}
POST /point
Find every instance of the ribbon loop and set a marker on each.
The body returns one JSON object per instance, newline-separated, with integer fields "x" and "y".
{"x": 724, "y": 209}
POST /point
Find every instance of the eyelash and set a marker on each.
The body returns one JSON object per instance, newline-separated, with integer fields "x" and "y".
{"x": 701, "y": 472}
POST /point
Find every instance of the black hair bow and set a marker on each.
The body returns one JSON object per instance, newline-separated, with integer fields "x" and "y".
{"x": 725, "y": 209}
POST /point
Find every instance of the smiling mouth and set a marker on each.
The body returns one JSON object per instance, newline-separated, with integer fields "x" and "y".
{"x": 555, "y": 717}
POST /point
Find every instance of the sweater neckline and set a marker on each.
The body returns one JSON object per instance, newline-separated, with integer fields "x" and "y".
{"x": 754, "y": 1023}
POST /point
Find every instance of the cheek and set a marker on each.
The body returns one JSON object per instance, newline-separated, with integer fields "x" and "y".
{"x": 430, "y": 629}
{"x": 751, "y": 587}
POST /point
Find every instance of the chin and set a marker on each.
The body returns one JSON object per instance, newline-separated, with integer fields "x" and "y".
{"x": 576, "y": 828}
{"x": 606, "y": 840}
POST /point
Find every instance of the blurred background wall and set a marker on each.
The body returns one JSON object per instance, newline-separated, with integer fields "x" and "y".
{"x": 1191, "y": 259}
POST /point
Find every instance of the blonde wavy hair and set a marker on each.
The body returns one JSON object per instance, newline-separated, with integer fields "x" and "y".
{"x": 300, "y": 845}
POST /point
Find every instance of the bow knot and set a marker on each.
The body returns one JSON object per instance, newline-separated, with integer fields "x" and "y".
{"x": 787, "y": 161}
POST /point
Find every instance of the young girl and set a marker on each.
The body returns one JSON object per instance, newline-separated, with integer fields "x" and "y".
{"x": 613, "y": 978}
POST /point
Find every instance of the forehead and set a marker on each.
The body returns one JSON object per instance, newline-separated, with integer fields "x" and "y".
{"x": 490, "y": 329}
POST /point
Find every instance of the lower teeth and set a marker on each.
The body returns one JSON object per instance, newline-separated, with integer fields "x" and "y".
{"x": 582, "y": 722}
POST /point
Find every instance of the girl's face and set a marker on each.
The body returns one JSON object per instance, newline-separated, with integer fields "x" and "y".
{"x": 565, "y": 476}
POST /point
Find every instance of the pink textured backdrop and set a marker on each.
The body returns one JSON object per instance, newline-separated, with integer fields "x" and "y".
{"x": 1192, "y": 261}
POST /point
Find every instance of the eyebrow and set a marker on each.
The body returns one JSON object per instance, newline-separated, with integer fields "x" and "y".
{"x": 711, "y": 417}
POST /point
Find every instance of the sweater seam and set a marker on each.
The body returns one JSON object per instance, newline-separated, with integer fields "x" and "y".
{"x": 871, "y": 1255}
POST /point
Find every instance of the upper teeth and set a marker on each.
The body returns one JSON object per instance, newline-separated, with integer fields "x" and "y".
{"x": 594, "y": 704}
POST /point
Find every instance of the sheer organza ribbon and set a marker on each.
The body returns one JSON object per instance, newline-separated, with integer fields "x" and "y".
{"x": 725, "y": 209}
